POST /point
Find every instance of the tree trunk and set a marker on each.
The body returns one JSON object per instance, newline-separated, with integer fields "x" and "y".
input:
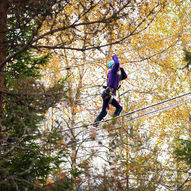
{"x": 3, "y": 31}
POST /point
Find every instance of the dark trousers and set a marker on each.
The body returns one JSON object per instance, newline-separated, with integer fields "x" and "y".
{"x": 106, "y": 100}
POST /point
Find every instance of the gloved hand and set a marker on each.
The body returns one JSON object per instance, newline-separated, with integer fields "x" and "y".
{"x": 115, "y": 59}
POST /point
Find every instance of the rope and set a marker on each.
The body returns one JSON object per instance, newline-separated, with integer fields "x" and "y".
{"x": 139, "y": 110}
{"x": 103, "y": 137}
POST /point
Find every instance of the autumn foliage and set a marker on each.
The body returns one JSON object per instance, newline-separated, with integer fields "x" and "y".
{"x": 53, "y": 57}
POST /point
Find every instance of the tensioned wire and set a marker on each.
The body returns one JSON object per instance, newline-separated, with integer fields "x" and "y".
{"x": 130, "y": 50}
{"x": 147, "y": 114}
{"x": 154, "y": 112}
{"x": 139, "y": 110}
{"x": 103, "y": 137}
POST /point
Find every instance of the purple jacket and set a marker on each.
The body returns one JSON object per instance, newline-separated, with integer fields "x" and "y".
{"x": 114, "y": 75}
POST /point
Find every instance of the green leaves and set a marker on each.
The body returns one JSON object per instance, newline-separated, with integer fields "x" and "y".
{"x": 23, "y": 157}
{"x": 187, "y": 59}
{"x": 183, "y": 151}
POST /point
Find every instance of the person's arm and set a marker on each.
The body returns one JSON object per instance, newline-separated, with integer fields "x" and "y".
{"x": 116, "y": 65}
{"x": 115, "y": 59}
{"x": 123, "y": 74}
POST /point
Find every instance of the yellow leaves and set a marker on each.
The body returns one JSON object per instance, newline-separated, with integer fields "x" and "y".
{"x": 93, "y": 134}
{"x": 49, "y": 181}
{"x": 188, "y": 183}
{"x": 61, "y": 144}
{"x": 145, "y": 8}
{"x": 152, "y": 77}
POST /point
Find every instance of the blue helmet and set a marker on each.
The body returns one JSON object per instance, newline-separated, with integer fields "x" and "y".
{"x": 109, "y": 65}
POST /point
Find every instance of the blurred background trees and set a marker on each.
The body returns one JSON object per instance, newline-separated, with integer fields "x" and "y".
{"x": 53, "y": 57}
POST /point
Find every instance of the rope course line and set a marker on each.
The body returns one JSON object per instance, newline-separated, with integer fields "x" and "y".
{"x": 141, "y": 109}
{"x": 146, "y": 114}
{"x": 160, "y": 110}
{"x": 104, "y": 137}
{"x": 133, "y": 49}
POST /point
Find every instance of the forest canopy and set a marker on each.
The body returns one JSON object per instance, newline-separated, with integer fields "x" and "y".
{"x": 53, "y": 66}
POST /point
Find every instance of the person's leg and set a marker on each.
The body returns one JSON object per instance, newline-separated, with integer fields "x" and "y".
{"x": 103, "y": 112}
{"x": 118, "y": 107}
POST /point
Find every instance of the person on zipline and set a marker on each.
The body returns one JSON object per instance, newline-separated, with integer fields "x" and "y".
{"x": 114, "y": 76}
